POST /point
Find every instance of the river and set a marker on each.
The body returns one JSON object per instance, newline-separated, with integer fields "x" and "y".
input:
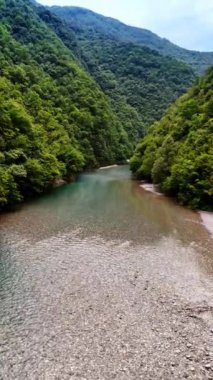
{"x": 103, "y": 280}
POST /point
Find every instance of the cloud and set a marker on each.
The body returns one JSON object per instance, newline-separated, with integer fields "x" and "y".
{"x": 185, "y": 22}
{"x": 188, "y": 23}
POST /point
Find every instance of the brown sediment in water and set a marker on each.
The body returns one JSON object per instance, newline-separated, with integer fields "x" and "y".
{"x": 206, "y": 217}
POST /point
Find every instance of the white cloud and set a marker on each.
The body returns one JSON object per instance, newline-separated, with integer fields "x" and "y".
{"x": 188, "y": 23}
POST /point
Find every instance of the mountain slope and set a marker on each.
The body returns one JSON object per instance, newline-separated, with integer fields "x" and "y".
{"x": 127, "y": 115}
{"x": 54, "y": 119}
{"x": 140, "y": 82}
{"x": 177, "y": 153}
{"x": 95, "y": 24}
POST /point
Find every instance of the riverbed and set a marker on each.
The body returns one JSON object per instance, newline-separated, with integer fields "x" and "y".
{"x": 103, "y": 280}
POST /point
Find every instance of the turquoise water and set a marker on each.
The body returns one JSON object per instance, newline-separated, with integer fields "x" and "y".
{"x": 73, "y": 246}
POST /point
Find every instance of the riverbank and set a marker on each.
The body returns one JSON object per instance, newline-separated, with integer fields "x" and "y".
{"x": 207, "y": 220}
{"x": 206, "y": 217}
{"x": 108, "y": 167}
{"x": 102, "y": 280}
{"x": 150, "y": 187}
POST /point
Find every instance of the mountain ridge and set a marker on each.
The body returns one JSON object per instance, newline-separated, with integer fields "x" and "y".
{"x": 72, "y": 98}
{"x": 132, "y": 76}
{"x": 112, "y": 27}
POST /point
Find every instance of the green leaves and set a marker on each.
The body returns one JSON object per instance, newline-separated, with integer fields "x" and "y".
{"x": 54, "y": 119}
{"x": 139, "y": 82}
{"x": 178, "y": 152}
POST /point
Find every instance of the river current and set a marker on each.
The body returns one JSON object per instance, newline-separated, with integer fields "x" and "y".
{"x": 101, "y": 279}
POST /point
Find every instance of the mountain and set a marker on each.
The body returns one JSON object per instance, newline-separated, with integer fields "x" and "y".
{"x": 93, "y": 25}
{"x": 177, "y": 153}
{"x": 54, "y": 119}
{"x": 140, "y": 82}
{"x": 70, "y": 102}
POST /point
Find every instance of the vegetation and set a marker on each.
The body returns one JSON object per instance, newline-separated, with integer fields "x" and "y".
{"x": 54, "y": 119}
{"x": 92, "y": 25}
{"x": 73, "y": 97}
{"x": 140, "y": 82}
{"x": 177, "y": 153}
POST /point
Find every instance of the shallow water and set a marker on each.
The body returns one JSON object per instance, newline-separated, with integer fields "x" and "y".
{"x": 74, "y": 265}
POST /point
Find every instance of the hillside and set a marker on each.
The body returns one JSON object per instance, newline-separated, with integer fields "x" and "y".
{"x": 177, "y": 153}
{"x": 54, "y": 119}
{"x": 140, "y": 82}
{"x": 69, "y": 103}
{"x": 94, "y": 24}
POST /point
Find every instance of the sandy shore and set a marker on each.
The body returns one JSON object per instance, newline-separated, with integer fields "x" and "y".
{"x": 150, "y": 187}
{"x": 108, "y": 167}
{"x": 207, "y": 219}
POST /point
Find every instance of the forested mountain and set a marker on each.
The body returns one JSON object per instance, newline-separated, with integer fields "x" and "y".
{"x": 139, "y": 82}
{"x": 54, "y": 119}
{"x": 70, "y": 99}
{"x": 177, "y": 153}
{"x": 91, "y": 25}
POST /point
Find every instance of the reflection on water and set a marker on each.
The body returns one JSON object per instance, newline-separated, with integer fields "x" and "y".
{"x": 90, "y": 235}
{"x": 109, "y": 204}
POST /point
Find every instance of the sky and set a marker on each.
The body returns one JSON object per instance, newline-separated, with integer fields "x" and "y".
{"x": 188, "y": 23}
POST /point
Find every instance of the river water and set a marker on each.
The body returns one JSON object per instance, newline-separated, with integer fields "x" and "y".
{"x": 103, "y": 280}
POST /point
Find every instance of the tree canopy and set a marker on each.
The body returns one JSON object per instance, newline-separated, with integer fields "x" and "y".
{"x": 92, "y": 25}
{"x": 73, "y": 97}
{"x": 54, "y": 119}
{"x": 177, "y": 153}
{"x": 140, "y": 82}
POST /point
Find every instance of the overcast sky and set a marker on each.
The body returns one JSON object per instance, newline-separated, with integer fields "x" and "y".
{"x": 188, "y": 23}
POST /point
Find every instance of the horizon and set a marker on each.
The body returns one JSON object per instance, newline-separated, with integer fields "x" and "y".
{"x": 186, "y": 23}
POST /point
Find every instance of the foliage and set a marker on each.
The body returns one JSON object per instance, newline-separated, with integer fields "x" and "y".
{"x": 73, "y": 97}
{"x": 140, "y": 82}
{"x": 95, "y": 25}
{"x": 54, "y": 119}
{"x": 177, "y": 153}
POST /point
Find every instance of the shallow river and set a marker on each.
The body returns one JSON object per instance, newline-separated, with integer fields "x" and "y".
{"x": 103, "y": 280}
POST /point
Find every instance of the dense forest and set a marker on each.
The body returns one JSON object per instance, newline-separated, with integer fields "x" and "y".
{"x": 54, "y": 119}
{"x": 92, "y": 25}
{"x": 177, "y": 153}
{"x": 73, "y": 97}
{"x": 140, "y": 82}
